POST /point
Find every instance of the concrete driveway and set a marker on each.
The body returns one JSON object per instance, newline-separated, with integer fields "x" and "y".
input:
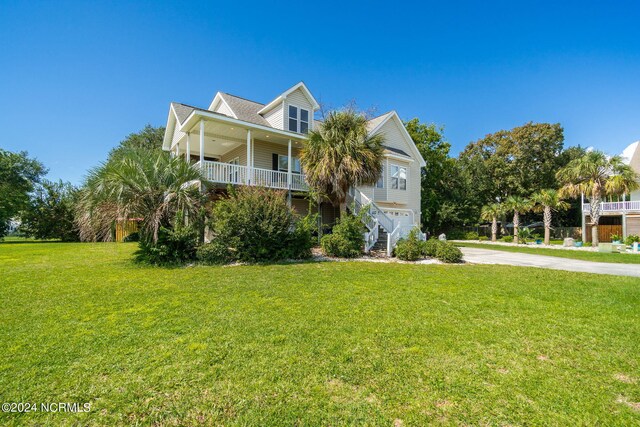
{"x": 488, "y": 256}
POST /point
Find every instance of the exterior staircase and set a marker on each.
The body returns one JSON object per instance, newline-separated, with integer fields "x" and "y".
{"x": 382, "y": 231}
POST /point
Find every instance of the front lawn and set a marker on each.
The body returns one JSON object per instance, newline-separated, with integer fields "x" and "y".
{"x": 337, "y": 343}
{"x": 584, "y": 255}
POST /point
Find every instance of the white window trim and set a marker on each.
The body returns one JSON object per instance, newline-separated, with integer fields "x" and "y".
{"x": 292, "y": 164}
{"x": 299, "y": 118}
{"x": 383, "y": 180}
{"x": 406, "y": 179}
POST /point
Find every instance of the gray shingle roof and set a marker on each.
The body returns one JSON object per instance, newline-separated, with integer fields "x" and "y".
{"x": 244, "y": 109}
{"x": 373, "y": 123}
{"x": 182, "y": 111}
{"x": 395, "y": 150}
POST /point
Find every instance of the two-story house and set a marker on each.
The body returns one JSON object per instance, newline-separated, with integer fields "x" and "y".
{"x": 241, "y": 142}
{"x": 621, "y": 217}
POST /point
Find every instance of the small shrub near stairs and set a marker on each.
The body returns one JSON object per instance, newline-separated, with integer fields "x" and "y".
{"x": 431, "y": 246}
{"x": 411, "y": 248}
{"x": 346, "y": 239}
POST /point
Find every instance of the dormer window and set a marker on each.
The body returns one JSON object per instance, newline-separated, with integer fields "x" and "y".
{"x": 298, "y": 119}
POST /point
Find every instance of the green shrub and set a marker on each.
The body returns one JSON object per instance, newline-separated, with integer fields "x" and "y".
{"x": 173, "y": 247}
{"x": 448, "y": 253}
{"x": 507, "y": 239}
{"x": 588, "y": 244}
{"x": 133, "y": 237}
{"x": 346, "y": 239}
{"x": 411, "y": 248}
{"x": 214, "y": 253}
{"x": 255, "y": 224}
{"x": 631, "y": 239}
{"x": 471, "y": 235}
{"x": 430, "y": 247}
{"x": 456, "y": 235}
{"x": 483, "y": 238}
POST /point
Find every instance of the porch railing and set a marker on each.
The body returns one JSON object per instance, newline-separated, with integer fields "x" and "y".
{"x": 227, "y": 173}
{"x": 614, "y": 206}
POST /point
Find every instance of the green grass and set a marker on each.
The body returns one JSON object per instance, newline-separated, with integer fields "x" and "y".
{"x": 616, "y": 258}
{"x": 313, "y": 344}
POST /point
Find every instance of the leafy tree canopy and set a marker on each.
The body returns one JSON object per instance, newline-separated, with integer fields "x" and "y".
{"x": 18, "y": 176}
{"x": 445, "y": 201}
{"x": 50, "y": 213}
{"x": 149, "y": 138}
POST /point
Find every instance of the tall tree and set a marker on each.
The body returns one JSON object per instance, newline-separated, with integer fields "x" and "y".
{"x": 340, "y": 153}
{"x": 444, "y": 200}
{"x": 50, "y": 213}
{"x": 518, "y": 205}
{"x": 519, "y": 161}
{"x": 597, "y": 175}
{"x": 548, "y": 201}
{"x": 18, "y": 176}
{"x": 139, "y": 183}
{"x": 149, "y": 138}
{"x": 491, "y": 213}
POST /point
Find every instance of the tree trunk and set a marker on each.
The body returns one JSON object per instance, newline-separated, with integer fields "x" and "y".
{"x": 343, "y": 208}
{"x": 594, "y": 203}
{"x": 516, "y": 226}
{"x": 547, "y": 225}
{"x": 494, "y": 229}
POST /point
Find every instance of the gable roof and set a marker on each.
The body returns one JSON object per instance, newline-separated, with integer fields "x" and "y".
{"x": 284, "y": 94}
{"x": 244, "y": 109}
{"x": 181, "y": 111}
{"x": 376, "y": 124}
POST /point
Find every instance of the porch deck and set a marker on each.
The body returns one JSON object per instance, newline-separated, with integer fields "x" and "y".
{"x": 615, "y": 207}
{"x": 227, "y": 173}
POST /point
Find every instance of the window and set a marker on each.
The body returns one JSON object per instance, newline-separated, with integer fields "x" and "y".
{"x": 283, "y": 165}
{"x": 380, "y": 183}
{"x": 398, "y": 177}
{"x": 298, "y": 119}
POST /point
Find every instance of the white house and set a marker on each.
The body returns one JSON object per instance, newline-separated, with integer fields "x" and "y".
{"x": 619, "y": 217}
{"x": 241, "y": 142}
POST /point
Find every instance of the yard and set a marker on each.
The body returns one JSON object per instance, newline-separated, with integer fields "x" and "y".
{"x": 585, "y": 255}
{"x": 313, "y": 343}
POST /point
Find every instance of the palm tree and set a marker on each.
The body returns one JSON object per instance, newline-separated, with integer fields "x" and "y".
{"x": 596, "y": 175}
{"x": 518, "y": 205}
{"x": 340, "y": 154}
{"x": 491, "y": 213}
{"x": 140, "y": 183}
{"x": 548, "y": 201}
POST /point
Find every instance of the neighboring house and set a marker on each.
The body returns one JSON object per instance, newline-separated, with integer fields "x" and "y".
{"x": 619, "y": 217}
{"x": 242, "y": 142}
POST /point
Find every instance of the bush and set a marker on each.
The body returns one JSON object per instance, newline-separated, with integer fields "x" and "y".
{"x": 507, "y": 239}
{"x": 430, "y": 247}
{"x": 173, "y": 247}
{"x": 631, "y": 239}
{"x": 483, "y": 238}
{"x": 411, "y": 248}
{"x": 133, "y": 237}
{"x": 255, "y": 224}
{"x": 456, "y": 235}
{"x": 471, "y": 235}
{"x": 448, "y": 253}
{"x": 346, "y": 239}
{"x": 213, "y": 253}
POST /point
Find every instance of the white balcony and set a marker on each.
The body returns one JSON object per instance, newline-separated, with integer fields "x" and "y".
{"x": 617, "y": 207}
{"x": 227, "y": 173}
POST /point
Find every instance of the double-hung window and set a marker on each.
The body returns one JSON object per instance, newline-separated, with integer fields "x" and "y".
{"x": 398, "y": 177}
{"x": 283, "y": 164}
{"x": 380, "y": 182}
{"x": 298, "y": 119}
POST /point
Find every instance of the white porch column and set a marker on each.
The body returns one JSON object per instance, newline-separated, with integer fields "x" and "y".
{"x": 249, "y": 162}
{"x": 289, "y": 165}
{"x": 202, "y": 145}
{"x": 187, "y": 155}
{"x": 177, "y": 149}
{"x": 624, "y": 216}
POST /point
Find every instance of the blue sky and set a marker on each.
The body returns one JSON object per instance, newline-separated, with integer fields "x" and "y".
{"x": 78, "y": 77}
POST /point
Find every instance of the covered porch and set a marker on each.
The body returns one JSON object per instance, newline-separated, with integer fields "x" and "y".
{"x": 230, "y": 151}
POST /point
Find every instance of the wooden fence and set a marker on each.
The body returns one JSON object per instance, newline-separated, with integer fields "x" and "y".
{"x": 605, "y": 232}
{"x": 124, "y": 228}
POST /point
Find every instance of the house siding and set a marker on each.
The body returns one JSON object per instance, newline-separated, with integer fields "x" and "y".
{"x": 388, "y": 197}
{"x": 239, "y": 152}
{"x": 263, "y": 153}
{"x": 222, "y": 108}
{"x": 298, "y": 99}
{"x": 275, "y": 117}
